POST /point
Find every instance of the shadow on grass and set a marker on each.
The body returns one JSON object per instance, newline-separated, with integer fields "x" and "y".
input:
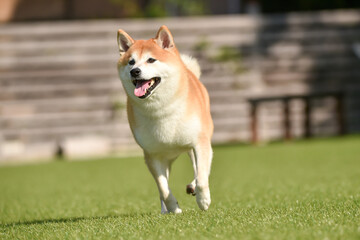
{"x": 74, "y": 219}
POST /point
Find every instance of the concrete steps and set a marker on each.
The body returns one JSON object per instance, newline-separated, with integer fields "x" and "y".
{"x": 59, "y": 83}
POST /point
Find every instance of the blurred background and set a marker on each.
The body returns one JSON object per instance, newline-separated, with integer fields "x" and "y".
{"x": 274, "y": 70}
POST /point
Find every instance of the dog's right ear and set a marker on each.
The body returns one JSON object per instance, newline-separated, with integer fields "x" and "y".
{"x": 124, "y": 41}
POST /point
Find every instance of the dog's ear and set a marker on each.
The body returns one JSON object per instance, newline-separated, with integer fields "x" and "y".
{"x": 164, "y": 38}
{"x": 124, "y": 41}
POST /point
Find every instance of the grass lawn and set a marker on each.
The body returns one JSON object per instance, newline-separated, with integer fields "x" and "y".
{"x": 300, "y": 190}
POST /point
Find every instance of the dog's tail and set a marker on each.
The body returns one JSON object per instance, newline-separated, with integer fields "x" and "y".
{"x": 192, "y": 64}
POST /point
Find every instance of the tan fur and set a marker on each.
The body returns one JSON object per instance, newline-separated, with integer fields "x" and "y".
{"x": 174, "y": 119}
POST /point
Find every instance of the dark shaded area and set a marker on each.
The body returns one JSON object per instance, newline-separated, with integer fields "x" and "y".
{"x": 282, "y": 6}
{"x": 316, "y": 54}
{"x": 24, "y": 10}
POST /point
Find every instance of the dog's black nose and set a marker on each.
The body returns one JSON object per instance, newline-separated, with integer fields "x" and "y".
{"x": 135, "y": 72}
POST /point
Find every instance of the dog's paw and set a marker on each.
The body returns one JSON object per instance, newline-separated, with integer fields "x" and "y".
{"x": 178, "y": 210}
{"x": 190, "y": 189}
{"x": 175, "y": 211}
{"x": 203, "y": 198}
{"x": 173, "y": 207}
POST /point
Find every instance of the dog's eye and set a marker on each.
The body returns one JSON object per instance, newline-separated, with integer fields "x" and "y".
{"x": 151, "y": 60}
{"x": 132, "y": 62}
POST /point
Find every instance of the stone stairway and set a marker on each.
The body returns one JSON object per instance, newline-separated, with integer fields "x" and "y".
{"x": 59, "y": 85}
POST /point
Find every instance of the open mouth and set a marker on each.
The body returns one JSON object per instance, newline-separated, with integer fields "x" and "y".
{"x": 143, "y": 87}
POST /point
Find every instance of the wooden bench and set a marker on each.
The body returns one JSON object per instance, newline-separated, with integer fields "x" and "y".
{"x": 307, "y": 98}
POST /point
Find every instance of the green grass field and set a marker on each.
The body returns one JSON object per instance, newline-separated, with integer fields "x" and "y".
{"x": 300, "y": 190}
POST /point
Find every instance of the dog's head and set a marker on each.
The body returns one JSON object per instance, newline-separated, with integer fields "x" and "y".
{"x": 146, "y": 66}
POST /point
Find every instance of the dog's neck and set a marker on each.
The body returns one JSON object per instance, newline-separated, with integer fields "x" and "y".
{"x": 165, "y": 101}
{"x": 157, "y": 107}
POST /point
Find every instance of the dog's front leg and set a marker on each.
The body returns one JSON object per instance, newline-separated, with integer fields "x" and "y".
{"x": 163, "y": 207}
{"x": 203, "y": 156}
{"x": 160, "y": 171}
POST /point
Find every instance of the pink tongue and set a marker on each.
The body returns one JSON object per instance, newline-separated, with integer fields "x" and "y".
{"x": 140, "y": 88}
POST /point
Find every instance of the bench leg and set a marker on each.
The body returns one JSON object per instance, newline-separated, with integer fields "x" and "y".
{"x": 254, "y": 127}
{"x": 287, "y": 123}
{"x": 307, "y": 122}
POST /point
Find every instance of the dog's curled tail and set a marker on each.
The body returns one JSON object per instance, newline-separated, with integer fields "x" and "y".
{"x": 192, "y": 64}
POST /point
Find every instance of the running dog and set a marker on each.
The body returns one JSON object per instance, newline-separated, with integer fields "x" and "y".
{"x": 168, "y": 111}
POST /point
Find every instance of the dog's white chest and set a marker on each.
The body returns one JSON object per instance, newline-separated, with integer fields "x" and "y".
{"x": 168, "y": 134}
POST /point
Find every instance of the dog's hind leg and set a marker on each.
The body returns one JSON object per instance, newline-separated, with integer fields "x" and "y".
{"x": 203, "y": 155}
{"x": 160, "y": 170}
{"x": 190, "y": 188}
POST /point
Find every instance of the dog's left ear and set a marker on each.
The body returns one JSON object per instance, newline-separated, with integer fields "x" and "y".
{"x": 164, "y": 38}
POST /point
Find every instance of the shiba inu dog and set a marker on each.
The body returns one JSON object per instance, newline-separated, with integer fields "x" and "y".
{"x": 168, "y": 111}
